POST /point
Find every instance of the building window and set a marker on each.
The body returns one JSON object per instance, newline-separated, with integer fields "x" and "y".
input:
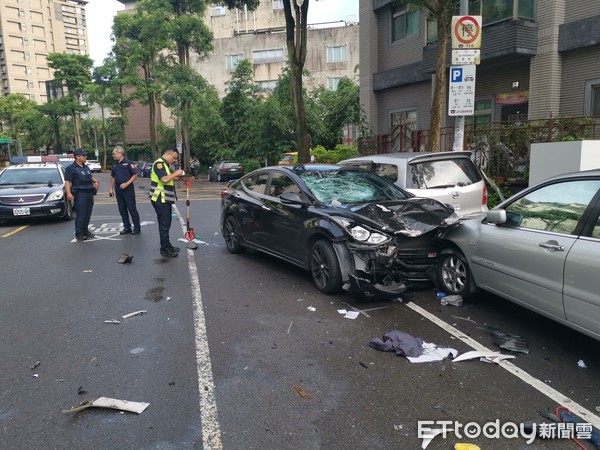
{"x": 23, "y": 27}
{"x": 408, "y": 118}
{"x": 267, "y": 56}
{"x": 27, "y": 56}
{"x": 267, "y": 85}
{"x": 28, "y": 69}
{"x": 21, "y": 12}
{"x": 332, "y": 83}
{"x": 217, "y": 10}
{"x": 337, "y": 54}
{"x": 404, "y": 23}
{"x": 592, "y": 98}
{"x": 32, "y": 97}
{"x": 277, "y": 4}
{"x": 25, "y": 42}
{"x": 233, "y": 60}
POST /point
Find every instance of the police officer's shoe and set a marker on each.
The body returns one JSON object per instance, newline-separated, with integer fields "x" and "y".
{"x": 167, "y": 251}
{"x": 81, "y": 237}
{"x": 89, "y": 234}
{"x": 136, "y": 231}
{"x": 175, "y": 249}
{"x": 125, "y": 231}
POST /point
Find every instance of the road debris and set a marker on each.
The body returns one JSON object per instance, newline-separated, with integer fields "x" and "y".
{"x": 348, "y": 314}
{"x": 81, "y": 391}
{"x": 364, "y": 365}
{"x": 290, "y": 327}
{"x": 581, "y": 364}
{"x": 463, "y": 446}
{"x": 37, "y": 363}
{"x": 116, "y": 322}
{"x": 454, "y": 300}
{"x": 489, "y": 357}
{"x": 110, "y": 403}
{"x": 136, "y": 313}
{"x": 300, "y": 391}
{"x": 124, "y": 258}
{"x": 88, "y": 271}
{"x": 433, "y": 353}
{"x": 311, "y": 308}
{"x": 35, "y": 375}
{"x": 510, "y": 342}
{"x": 468, "y": 319}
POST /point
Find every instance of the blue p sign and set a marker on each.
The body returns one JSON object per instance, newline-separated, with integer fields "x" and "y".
{"x": 456, "y": 75}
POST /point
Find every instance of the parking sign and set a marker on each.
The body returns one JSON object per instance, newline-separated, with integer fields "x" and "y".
{"x": 461, "y": 93}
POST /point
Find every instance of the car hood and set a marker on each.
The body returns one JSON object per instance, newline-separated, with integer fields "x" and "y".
{"x": 411, "y": 217}
{"x": 25, "y": 189}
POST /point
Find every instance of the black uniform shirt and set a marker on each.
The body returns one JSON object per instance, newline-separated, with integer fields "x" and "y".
{"x": 122, "y": 171}
{"x": 79, "y": 177}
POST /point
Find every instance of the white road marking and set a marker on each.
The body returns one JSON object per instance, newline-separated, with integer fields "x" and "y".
{"x": 553, "y": 394}
{"x": 211, "y": 431}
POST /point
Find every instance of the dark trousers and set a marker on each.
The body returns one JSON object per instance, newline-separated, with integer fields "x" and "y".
{"x": 84, "y": 203}
{"x": 126, "y": 203}
{"x": 164, "y": 216}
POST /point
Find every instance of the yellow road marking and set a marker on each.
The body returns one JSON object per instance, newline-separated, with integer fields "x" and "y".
{"x": 14, "y": 231}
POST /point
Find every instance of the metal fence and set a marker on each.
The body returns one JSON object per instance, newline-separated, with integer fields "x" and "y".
{"x": 501, "y": 149}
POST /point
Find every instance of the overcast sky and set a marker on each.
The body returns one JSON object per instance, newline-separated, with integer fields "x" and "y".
{"x": 100, "y": 16}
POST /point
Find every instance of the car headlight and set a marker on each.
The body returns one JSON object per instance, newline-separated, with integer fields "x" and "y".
{"x": 363, "y": 234}
{"x": 56, "y": 195}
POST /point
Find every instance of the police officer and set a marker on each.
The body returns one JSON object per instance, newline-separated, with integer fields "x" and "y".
{"x": 122, "y": 175}
{"x": 81, "y": 187}
{"x": 162, "y": 196}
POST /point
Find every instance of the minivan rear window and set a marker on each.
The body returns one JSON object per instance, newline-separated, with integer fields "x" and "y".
{"x": 442, "y": 174}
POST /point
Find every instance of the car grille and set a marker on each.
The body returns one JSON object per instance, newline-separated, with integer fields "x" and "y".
{"x": 18, "y": 200}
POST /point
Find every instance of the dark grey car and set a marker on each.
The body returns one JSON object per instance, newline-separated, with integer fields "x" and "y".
{"x": 225, "y": 171}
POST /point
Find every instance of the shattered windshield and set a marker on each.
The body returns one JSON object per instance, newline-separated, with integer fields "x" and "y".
{"x": 343, "y": 187}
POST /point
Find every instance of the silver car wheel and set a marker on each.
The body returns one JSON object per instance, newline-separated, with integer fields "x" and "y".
{"x": 454, "y": 274}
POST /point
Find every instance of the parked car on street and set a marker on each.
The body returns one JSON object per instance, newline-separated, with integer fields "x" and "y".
{"x": 225, "y": 171}
{"x": 540, "y": 249}
{"x": 94, "y": 165}
{"x": 34, "y": 190}
{"x": 450, "y": 177}
{"x": 349, "y": 227}
{"x": 288, "y": 158}
{"x": 144, "y": 168}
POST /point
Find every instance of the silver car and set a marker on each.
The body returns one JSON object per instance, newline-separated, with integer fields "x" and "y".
{"x": 450, "y": 177}
{"x": 540, "y": 249}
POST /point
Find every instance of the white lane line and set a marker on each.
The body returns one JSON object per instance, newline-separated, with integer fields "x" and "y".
{"x": 553, "y": 394}
{"x": 211, "y": 431}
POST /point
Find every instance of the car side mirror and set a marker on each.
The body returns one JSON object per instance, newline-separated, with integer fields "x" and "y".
{"x": 291, "y": 198}
{"x": 496, "y": 216}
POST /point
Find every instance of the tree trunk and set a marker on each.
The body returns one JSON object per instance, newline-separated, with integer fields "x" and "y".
{"x": 152, "y": 111}
{"x": 77, "y": 126}
{"x": 439, "y": 89}
{"x": 296, "y": 25}
{"x": 104, "y": 137}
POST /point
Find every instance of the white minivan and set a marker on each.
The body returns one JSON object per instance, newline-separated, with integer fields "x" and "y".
{"x": 450, "y": 177}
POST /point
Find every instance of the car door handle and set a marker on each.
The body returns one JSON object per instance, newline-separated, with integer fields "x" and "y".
{"x": 266, "y": 208}
{"x": 552, "y": 245}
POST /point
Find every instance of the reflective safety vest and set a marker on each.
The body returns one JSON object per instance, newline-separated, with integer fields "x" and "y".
{"x": 161, "y": 192}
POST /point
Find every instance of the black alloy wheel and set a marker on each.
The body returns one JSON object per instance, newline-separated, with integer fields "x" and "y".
{"x": 324, "y": 268}
{"x": 231, "y": 235}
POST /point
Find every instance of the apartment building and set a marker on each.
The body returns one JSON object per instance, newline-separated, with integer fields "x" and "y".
{"x": 29, "y": 31}
{"x": 259, "y": 36}
{"x": 538, "y": 58}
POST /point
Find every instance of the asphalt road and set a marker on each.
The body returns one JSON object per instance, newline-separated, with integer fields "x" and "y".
{"x": 243, "y": 352}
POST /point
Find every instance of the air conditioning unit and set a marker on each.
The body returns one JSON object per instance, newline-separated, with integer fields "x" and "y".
{"x": 217, "y": 11}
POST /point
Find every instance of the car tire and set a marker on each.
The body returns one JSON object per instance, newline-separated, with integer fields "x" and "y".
{"x": 68, "y": 211}
{"x": 454, "y": 274}
{"x": 324, "y": 268}
{"x": 231, "y": 234}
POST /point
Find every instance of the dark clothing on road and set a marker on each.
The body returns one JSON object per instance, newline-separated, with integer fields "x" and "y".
{"x": 122, "y": 173}
{"x": 83, "y": 191}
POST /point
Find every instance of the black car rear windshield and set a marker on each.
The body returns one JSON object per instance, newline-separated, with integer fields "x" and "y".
{"x": 31, "y": 176}
{"x": 442, "y": 174}
{"x": 349, "y": 187}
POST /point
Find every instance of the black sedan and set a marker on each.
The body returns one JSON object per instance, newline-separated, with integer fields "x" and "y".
{"x": 34, "y": 190}
{"x": 350, "y": 228}
{"x": 225, "y": 171}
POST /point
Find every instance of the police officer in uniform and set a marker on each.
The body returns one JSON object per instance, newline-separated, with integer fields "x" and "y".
{"x": 81, "y": 187}
{"x": 162, "y": 196}
{"x": 122, "y": 175}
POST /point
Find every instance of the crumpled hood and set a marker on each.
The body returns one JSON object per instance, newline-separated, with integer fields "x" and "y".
{"x": 411, "y": 217}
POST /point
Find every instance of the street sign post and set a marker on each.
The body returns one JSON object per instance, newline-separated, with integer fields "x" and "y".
{"x": 5, "y": 140}
{"x": 461, "y": 97}
{"x": 464, "y": 57}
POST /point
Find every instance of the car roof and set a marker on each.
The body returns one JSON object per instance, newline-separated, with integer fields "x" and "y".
{"x": 33, "y": 165}
{"x": 412, "y": 155}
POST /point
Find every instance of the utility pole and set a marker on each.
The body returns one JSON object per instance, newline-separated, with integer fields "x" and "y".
{"x": 459, "y": 121}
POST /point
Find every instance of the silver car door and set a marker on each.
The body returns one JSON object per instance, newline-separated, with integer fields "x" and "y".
{"x": 524, "y": 259}
{"x": 581, "y": 294}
